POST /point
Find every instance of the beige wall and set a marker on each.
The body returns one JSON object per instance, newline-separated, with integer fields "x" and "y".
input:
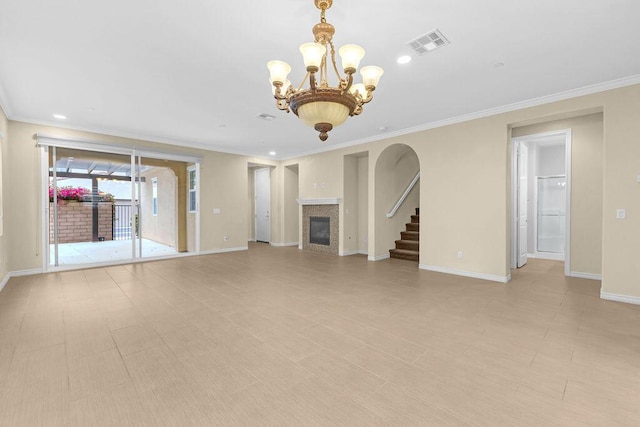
{"x": 4, "y": 241}
{"x": 363, "y": 204}
{"x": 465, "y": 191}
{"x": 223, "y": 181}
{"x": 162, "y": 227}
{"x": 350, "y": 214}
{"x": 587, "y": 159}
{"x": 464, "y": 196}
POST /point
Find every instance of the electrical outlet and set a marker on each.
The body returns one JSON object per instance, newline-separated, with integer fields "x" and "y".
{"x": 226, "y": 238}
{"x": 460, "y": 255}
{"x": 621, "y": 214}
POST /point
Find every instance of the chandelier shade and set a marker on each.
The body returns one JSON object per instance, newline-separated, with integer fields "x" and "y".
{"x": 322, "y": 105}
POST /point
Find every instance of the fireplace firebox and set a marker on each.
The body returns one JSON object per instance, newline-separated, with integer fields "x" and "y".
{"x": 320, "y": 230}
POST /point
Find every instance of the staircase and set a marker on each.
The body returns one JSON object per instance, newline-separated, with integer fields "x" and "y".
{"x": 408, "y": 247}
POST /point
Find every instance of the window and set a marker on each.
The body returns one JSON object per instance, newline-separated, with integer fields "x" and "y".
{"x": 154, "y": 206}
{"x": 192, "y": 189}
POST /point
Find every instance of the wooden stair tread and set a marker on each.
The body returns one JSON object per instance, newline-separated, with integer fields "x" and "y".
{"x": 408, "y": 247}
{"x": 404, "y": 251}
{"x": 404, "y": 254}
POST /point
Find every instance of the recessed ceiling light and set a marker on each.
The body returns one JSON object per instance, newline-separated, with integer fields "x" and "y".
{"x": 498, "y": 64}
{"x": 60, "y": 117}
{"x": 267, "y": 117}
{"x": 404, "y": 59}
{"x": 272, "y": 153}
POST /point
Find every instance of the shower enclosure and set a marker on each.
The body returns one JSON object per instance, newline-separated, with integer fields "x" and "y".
{"x": 552, "y": 194}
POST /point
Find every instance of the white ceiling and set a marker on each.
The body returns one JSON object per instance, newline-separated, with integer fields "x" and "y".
{"x": 194, "y": 73}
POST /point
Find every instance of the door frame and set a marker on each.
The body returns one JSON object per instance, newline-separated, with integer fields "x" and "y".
{"x": 266, "y": 169}
{"x": 45, "y": 142}
{"x": 515, "y": 141}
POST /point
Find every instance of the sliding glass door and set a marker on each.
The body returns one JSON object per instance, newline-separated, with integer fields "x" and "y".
{"x": 110, "y": 207}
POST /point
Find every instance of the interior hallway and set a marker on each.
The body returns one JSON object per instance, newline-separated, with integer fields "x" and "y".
{"x": 279, "y": 336}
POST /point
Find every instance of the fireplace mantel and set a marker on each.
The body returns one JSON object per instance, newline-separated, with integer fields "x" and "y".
{"x": 327, "y": 201}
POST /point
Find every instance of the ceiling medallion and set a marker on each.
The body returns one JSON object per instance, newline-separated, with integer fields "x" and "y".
{"x": 321, "y": 105}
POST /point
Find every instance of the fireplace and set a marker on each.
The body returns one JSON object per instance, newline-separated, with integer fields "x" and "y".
{"x": 320, "y": 230}
{"x": 320, "y": 220}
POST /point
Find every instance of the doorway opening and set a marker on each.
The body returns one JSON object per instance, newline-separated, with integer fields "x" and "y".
{"x": 262, "y": 180}
{"x": 541, "y": 198}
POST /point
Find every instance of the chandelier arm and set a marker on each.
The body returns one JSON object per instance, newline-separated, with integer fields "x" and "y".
{"x": 312, "y": 81}
{"x": 278, "y": 95}
{"x": 282, "y": 104}
{"x": 348, "y": 83}
{"x": 306, "y": 76}
{"x": 333, "y": 61}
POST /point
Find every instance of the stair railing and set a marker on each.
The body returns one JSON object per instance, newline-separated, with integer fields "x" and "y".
{"x": 402, "y": 198}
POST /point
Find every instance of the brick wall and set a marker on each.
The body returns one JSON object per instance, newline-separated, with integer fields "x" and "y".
{"x": 75, "y": 221}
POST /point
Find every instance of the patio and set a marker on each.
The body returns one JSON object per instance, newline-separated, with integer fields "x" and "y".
{"x": 95, "y": 252}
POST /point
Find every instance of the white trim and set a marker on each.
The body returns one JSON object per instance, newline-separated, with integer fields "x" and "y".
{"x": 404, "y": 195}
{"x": 326, "y": 201}
{"x": 198, "y": 215}
{"x": 549, "y": 256}
{"x": 281, "y": 245}
{"x": 532, "y": 256}
{"x": 18, "y": 273}
{"x": 378, "y": 258}
{"x": 349, "y": 253}
{"x": 620, "y": 298}
{"x": 483, "y": 276}
{"x": 107, "y": 147}
{"x": 547, "y": 99}
{"x": 589, "y": 276}
{"x": 568, "y": 180}
{"x": 515, "y": 141}
{"x": 363, "y": 252}
{"x": 224, "y": 250}
{"x": 195, "y": 189}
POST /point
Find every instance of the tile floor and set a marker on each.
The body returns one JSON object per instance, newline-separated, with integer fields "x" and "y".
{"x": 282, "y": 337}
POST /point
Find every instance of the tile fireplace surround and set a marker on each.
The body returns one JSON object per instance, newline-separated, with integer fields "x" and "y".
{"x": 321, "y": 208}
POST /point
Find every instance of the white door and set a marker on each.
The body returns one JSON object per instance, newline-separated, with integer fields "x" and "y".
{"x": 263, "y": 204}
{"x": 523, "y": 160}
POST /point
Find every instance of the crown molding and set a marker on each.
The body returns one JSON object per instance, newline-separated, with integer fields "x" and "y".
{"x": 4, "y": 104}
{"x": 547, "y": 99}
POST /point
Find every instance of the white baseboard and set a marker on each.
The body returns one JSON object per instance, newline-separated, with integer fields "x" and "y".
{"x": 531, "y": 256}
{"x": 11, "y": 274}
{"x": 620, "y": 298}
{"x": 363, "y": 252}
{"x": 379, "y": 258}
{"x": 280, "y": 245}
{"x": 589, "y": 276}
{"x": 549, "y": 255}
{"x": 348, "y": 253}
{"x": 252, "y": 240}
{"x": 483, "y": 276}
{"x": 224, "y": 250}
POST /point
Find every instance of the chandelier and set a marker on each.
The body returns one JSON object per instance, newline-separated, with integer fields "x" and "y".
{"x": 321, "y": 105}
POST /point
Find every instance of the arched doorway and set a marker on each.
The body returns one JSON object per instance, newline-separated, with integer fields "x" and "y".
{"x": 396, "y": 203}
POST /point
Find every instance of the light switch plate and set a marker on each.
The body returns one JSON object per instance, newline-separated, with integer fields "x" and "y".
{"x": 621, "y": 214}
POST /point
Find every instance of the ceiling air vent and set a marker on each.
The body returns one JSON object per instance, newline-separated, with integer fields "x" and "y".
{"x": 267, "y": 117}
{"x": 428, "y": 42}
